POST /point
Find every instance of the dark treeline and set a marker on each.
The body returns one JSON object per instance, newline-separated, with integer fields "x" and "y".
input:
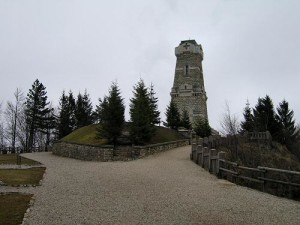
{"x": 32, "y": 121}
{"x": 280, "y": 122}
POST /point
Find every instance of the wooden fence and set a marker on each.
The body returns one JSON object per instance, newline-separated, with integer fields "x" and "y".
{"x": 11, "y": 150}
{"x": 272, "y": 180}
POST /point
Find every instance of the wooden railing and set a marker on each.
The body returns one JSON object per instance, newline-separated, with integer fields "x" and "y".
{"x": 263, "y": 177}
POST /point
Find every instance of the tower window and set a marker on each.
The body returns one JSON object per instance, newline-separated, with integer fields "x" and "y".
{"x": 186, "y": 70}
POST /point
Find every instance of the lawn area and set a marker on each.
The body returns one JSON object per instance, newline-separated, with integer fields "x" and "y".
{"x": 13, "y": 207}
{"x": 87, "y": 135}
{"x": 12, "y": 159}
{"x": 15, "y": 177}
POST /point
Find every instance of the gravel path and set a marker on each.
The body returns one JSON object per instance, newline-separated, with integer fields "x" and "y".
{"x": 166, "y": 188}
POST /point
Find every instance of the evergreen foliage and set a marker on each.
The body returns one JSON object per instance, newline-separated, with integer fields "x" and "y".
{"x": 72, "y": 110}
{"x": 248, "y": 123}
{"x": 141, "y": 115}
{"x": 50, "y": 125}
{"x": 66, "y": 121}
{"x": 155, "y": 114}
{"x": 264, "y": 116}
{"x": 83, "y": 110}
{"x": 185, "y": 120}
{"x": 111, "y": 113}
{"x": 36, "y": 111}
{"x": 287, "y": 128}
{"x": 172, "y": 116}
{"x": 202, "y": 128}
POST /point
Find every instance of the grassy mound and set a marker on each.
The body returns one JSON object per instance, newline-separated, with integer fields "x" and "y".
{"x": 251, "y": 155}
{"x": 87, "y": 135}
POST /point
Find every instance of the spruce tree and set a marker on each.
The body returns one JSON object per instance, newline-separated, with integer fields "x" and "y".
{"x": 50, "y": 124}
{"x": 100, "y": 108}
{"x": 72, "y": 111}
{"x": 64, "y": 125}
{"x": 202, "y": 128}
{"x": 36, "y": 110}
{"x": 172, "y": 116}
{"x": 264, "y": 117}
{"x": 111, "y": 112}
{"x": 141, "y": 115}
{"x": 155, "y": 114}
{"x": 83, "y": 110}
{"x": 248, "y": 123}
{"x": 185, "y": 120}
{"x": 285, "y": 117}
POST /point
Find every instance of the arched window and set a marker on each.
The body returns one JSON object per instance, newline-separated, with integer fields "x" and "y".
{"x": 186, "y": 70}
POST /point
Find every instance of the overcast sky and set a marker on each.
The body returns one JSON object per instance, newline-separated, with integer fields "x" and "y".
{"x": 251, "y": 48}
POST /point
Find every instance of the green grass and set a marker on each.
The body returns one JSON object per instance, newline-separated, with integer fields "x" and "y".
{"x": 164, "y": 134}
{"x": 12, "y": 159}
{"x": 13, "y": 207}
{"x": 15, "y": 177}
{"x": 87, "y": 135}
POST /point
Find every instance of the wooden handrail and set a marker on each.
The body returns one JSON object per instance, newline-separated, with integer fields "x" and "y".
{"x": 279, "y": 181}
{"x": 279, "y": 170}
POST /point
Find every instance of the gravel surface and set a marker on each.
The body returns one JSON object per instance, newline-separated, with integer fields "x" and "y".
{"x": 166, "y": 188}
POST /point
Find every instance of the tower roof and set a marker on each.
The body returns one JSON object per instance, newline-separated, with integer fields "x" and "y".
{"x": 189, "y": 41}
{"x": 188, "y": 46}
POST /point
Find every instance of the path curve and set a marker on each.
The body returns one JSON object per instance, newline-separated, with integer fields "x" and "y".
{"x": 166, "y": 188}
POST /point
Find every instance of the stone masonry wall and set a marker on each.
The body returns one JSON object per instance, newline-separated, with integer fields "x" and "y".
{"x": 107, "y": 153}
{"x": 83, "y": 152}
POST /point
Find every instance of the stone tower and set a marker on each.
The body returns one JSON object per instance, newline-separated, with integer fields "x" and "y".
{"x": 188, "y": 90}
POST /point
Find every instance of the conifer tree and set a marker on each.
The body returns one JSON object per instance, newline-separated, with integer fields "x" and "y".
{"x": 83, "y": 110}
{"x": 185, "y": 120}
{"x": 285, "y": 117}
{"x": 202, "y": 128}
{"x": 141, "y": 115}
{"x": 72, "y": 110}
{"x": 111, "y": 113}
{"x": 36, "y": 110}
{"x": 248, "y": 123}
{"x": 65, "y": 123}
{"x": 155, "y": 114}
{"x": 172, "y": 116}
{"x": 264, "y": 116}
{"x": 99, "y": 109}
{"x": 49, "y": 127}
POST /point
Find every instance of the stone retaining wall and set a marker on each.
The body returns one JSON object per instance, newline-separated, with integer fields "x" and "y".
{"x": 83, "y": 152}
{"x": 107, "y": 152}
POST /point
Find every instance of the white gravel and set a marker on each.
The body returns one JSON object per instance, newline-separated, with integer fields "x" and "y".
{"x": 166, "y": 188}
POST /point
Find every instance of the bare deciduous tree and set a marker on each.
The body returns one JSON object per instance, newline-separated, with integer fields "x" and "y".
{"x": 23, "y": 128}
{"x": 230, "y": 123}
{"x": 230, "y": 126}
{"x": 12, "y": 114}
{"x": 1, "y": 128}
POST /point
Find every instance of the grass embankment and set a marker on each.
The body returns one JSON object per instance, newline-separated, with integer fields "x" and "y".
{"x": 87, "y": 135}
{"x": 12, "y": 159}
{"x": 13, "y": 207}
{"x": 15, "y": 177}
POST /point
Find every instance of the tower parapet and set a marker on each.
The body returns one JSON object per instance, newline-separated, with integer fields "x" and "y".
{"x": 189, "y": 46}
{"x": 188, "y": 91}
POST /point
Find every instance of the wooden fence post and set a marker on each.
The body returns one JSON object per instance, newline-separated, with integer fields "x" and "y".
{"x": 212, "y": 161}
{"x": 199, "y": 153}
{"x": 221, "y": 156}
